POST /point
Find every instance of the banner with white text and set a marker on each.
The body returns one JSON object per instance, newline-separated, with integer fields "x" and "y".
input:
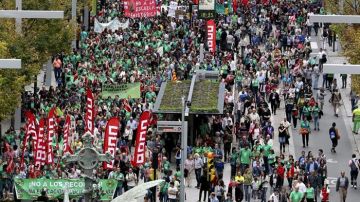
{"x": 110, "y": 140}
{"x": 30, "y": 189}
{"x": 140, "y": 148}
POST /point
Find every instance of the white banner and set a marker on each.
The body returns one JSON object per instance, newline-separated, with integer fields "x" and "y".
{"x": 112, "y": 25}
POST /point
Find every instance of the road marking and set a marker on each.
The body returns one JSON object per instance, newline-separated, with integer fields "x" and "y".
{"x": 331, "y": 161}
{"x": 332, "y": 181}
{"x": 314, "y": 45}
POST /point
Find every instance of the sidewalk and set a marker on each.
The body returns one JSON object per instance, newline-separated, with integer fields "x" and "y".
{"x": 337, "y": 58}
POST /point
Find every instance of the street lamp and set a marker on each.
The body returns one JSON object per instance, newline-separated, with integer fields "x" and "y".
{"x": 184, "y": 111}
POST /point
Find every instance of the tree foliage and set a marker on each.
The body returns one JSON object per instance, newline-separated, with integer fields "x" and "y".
{"x": 40, "y": 39}
{"x": 349, "y": 35}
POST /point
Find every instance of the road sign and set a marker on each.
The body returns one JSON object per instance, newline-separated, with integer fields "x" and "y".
{"x": 169, "y": 127}
{"x": 31, "y": 14}
{"x": 341, "y": 68}
{"x": 10, "y": 64}
{"x": 348, "y": 19}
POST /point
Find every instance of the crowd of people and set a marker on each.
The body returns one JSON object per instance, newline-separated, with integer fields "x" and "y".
{"x": 262, "y": 50}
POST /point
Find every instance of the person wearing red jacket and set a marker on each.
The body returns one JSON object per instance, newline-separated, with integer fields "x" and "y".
{"x": 290, "y": 173}
{"x": 280, "y": 172}
{"x": 324, "y": 194}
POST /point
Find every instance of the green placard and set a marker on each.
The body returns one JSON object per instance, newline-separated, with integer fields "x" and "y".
{"x": 30, "y": 189}
{"x": 220, "y": 8}
{"x": 122, "y": 90}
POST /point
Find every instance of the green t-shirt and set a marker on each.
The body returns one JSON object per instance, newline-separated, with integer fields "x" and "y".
{"x": 305, "y": 124}
{"x": 315, "y": 111}
{"x": 245, "y": 156}
{"x": 255, "y": 83}
{"x": 271, "y": 158}
{"x": 233, "y": 158}
{"x": 164, "y": 187}
{"x": 120, "y": 178}
{"x": 149, "y": 96}
{"x": 310, "y": 193}
{"x": 166, "y": 166}
{"x": 296, "y": 196}
{"x": 267, "y": 149}
{"x": 306, "y": 110}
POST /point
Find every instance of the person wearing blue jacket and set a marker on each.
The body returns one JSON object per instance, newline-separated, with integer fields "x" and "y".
{"x": 312, "y": 166}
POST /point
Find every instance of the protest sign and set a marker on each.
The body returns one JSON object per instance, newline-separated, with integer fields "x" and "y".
{"x": 140, "y": 8}
{"x": 122, "y": 90}
{"x": 30, "y": 189}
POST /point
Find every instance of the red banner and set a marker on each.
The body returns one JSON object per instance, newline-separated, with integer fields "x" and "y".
{"x": 40, "y": 156}
{"x": 49, "y": 137}
{"x": 127, "y": 106}
{"x": 66, "y": 146}
{"x": 30, "y": 131}
{"x": 110, "y": 139}
{"x": 139, "y": 155}
{"x": 211, "y": 36}
{"x": 90, "y": 112}
{"x": 235, "y": 5}
{"x": 245, "y": 2}
{"x": 140, "y": 8}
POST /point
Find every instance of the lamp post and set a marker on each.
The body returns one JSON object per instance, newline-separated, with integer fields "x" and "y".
{"x": 73, "y": 18}
{"x": 184, "y": 110}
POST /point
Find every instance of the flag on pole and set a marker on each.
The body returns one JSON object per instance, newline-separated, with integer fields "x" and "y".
{"x": 211, "y": 36}
{"x": 50, "y": 136}
{"x": 30, "y": 131}
{"x": 66, "y": 145}
{"x": 139, "y": 155}
{"x": 110, "y": 139}
{"x": 40, "y": 156}
{"x": 127, "y": 106}
{"x": 90, "y": 114}
{"x": 234, "y": 4}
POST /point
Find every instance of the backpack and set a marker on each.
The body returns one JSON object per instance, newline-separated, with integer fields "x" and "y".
{"x": 353, "y": 166}
{"x": 323, "y": 58}
{"x": 332, "y": 133}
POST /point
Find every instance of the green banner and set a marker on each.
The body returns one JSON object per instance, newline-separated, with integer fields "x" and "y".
{"x": 122, "y": 90}
{"x": 220, "y": 8}
{"x": 30, "y": 189}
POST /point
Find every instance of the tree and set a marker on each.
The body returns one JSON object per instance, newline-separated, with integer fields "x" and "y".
{"x": 349, "y": 36}
{"x": 40, "y": 39}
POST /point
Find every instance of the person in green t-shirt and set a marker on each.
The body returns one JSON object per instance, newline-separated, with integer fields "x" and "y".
{"x": 117, "y": 175}
{"x": 166, "y": 166}
{"x": 163, "y": 189}
{"x": 310, "y": 193}
{"x": 233, "y": 161}
{"x": 267, "y": 148}
{"x": 305, "y": 131}
{"x": 150, "y": 96}
{"x": 245, "y": 157}
{"x": 316, "y": 112}
{"x": 272, "y": 158}
{"x": 296, "y": 196}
